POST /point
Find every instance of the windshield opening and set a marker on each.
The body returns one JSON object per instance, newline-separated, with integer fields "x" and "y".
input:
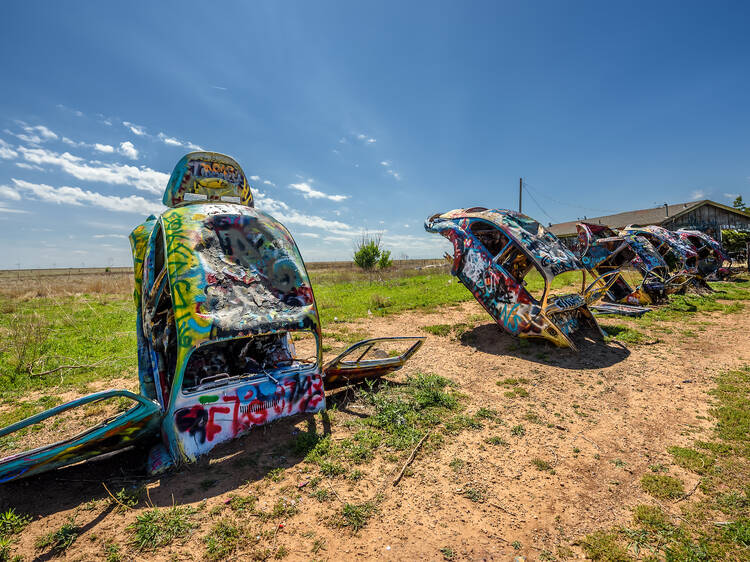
{"x": 219, "y": 363}
{"x": 490, "y": 236}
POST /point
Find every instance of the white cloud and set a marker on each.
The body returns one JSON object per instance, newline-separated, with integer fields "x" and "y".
{"x": 697, "y": 194}
{"x": 282, "y": 212}
{"x": 78, "y": 197}
{"x": 26, "y": 166}
{"x": 109, "y": 236}
{"x": 34, "y": 134}
{"x": 365, "y": 138}
{"x": 336, "y": 239}
{"x": 9, "y": 192}
{"x": 732, "y": 196}
{"x": 308, "y": 234}
{"x": 127, "y": 149}
{"x": 6, "y": 152}
{"x": 394, "y": 173}
{"x": 171, "y": 141}
{"x": 310, "y": 193}
{"x": 71, "y": 142}
{"x": 267, "y": 182}
{"x": 255, "y": 178}
{"x": 135, "y": 129}
{"x": 385, "y": 163}
{"x": 106, "y": 148}
{"x": 142, "y": 178}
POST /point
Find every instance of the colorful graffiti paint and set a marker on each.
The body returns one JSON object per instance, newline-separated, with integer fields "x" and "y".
{"x": 494, "y": 249}
{"x": 220, "y": 287}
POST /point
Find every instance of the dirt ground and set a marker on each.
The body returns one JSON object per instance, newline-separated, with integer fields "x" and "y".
{"x": 599, "y": 417}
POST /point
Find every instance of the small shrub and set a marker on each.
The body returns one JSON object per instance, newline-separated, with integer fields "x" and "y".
{"x": 541, "y": 465}
{"x": 518, "y": 430}
{"x": 438, "y": 329}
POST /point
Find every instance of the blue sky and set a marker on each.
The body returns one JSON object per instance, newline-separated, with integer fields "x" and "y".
{"x": 354, "y": 115}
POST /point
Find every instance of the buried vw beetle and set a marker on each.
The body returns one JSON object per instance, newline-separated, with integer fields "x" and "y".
{"x": 601, "y": 249}
{"x": 680, "y": 256}
{"x": 711, "y": 254}
{"x": 509, "y": 262}
{"x": 222, "y": 297}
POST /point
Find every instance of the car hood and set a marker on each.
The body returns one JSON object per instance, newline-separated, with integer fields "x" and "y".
{"x": 234, "y": 271}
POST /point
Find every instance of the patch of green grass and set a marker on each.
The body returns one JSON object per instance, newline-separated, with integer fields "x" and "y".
{"x": 112, "y": 552}
{"x": 12, "y": 523}
{"x": 448, "y": 553}
{"x": 438, "y": 329}
{"x": 348, "y": 301}
{"x": 518, "y": 430}
{"x": 662, "y": 486}
{"x": 487, "y": 414}
{"x": 60, "y": 540}
{"x": 604, "y": 546}
{"x": 624, "y": 334}
{"x": 242, "y": 503}
{"x": 700, "y": 463}
{"x": 222, "y": 540}
{"x": 496, "y": 440}
{"x": 275, "y": 475}
{"x": 541, "y": 465}
{"x": 355, "y": 516}
{"x": 156, "y": 527}
{"x": 712, "y": 525}
{"x": 457, "y": 464}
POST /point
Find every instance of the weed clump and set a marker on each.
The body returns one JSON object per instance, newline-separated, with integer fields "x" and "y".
{"x": 59, "y": 541}
{"x": 156, "y": 528}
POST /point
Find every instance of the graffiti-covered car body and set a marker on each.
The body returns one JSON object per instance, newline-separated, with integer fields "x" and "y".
{"x": 680, "y": 256}
{"x": 601, "y": 250}
{"x": 221, "y": 293}
{"x": 711, "y": 254}
{"x": 495, "y": 249}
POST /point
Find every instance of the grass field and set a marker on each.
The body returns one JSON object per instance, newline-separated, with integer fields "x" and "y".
{"x": 84, "y": 320}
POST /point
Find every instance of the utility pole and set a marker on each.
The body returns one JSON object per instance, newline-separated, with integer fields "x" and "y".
{"x": 520, "y": 195}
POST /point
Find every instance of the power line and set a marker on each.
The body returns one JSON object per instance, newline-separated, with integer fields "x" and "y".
{"x": 537, "y": 202}
{"x": 539, "y": 192}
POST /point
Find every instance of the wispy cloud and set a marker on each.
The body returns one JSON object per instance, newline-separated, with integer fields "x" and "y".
{"x": 6, "y": 152}
{"x": 142, "y": 178}
{"x": 222, "y": 88}
{"x": 79, "y": 197}
{"x": 308, "y": 192}
{"x": 366, "y": 138}
{"x": 390, "y": 171}
{"x": 284, "y": 213}
{"x": 109, "y": 236}
{"x": 255, "y": 178}
{"x": 731, "y": 195}
{"x": 697, "y": 194}
{"x": 11, "y": 210}
{"x": 171, "y": 141}
{"x": 135, "y": 129}
{"x": 309, "y": 234}
{"x": 27, "y": 166}
{"x": 33, "y": 134}
{"x": 9, "y": 193}
{"x": 268, "y": 182}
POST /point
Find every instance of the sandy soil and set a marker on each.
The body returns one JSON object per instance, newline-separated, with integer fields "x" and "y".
{"x": 599, "y": 417}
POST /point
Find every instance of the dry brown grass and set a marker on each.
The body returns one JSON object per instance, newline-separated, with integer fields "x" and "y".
{"x": 27, "y": 287}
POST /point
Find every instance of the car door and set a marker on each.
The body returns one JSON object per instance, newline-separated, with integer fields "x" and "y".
{"x": 139, "y": 421}
{"x": 369, "y": 359}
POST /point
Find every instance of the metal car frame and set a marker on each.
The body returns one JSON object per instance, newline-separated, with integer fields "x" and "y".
{"x": 494, "y": 249}
{"x": 680, "y": 257}
{"x": 601, "y": 249}
{"x": 220, "y": 289}
{"x": 711, "y": 254}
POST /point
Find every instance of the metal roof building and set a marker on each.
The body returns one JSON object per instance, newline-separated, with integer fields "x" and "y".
{"x": 706, "y": 215}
